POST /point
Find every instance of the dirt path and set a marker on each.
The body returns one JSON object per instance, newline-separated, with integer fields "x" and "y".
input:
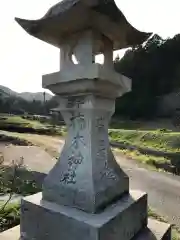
{"x": 50, "y": 144}
{"x": 34, "y": 158}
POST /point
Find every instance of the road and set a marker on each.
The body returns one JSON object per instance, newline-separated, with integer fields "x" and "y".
{"x": 163, "y": 189}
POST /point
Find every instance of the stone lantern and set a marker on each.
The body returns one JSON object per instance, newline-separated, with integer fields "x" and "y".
{"x": 86, "y": 194}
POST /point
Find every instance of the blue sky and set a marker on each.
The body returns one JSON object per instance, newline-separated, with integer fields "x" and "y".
{"x": 23, "y": 59}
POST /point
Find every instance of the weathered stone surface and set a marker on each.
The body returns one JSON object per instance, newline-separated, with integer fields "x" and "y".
{"x": 63, "y": 20}
{"x": 121, "y": 220}
{"x": 87, "y": 76}
{"x": 86, "y": 175}
{"x": 154, "y": 231}
{"x": 94, "y": 79}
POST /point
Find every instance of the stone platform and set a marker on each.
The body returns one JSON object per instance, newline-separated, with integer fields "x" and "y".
{"x": 124, "y": 220}
{"x": 155, "y": 231}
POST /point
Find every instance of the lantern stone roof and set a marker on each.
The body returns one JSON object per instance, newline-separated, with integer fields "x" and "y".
{"x": 71, "y": 16}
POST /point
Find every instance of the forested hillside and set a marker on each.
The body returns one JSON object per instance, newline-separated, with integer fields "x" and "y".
{"x": 12, "y": 102}
{"x": 154, "y": 68}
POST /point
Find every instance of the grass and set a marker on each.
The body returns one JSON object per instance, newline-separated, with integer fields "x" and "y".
{"x": 14, "y": 179}
{"x": 144, "y": 158}
{"x": 163, "y": 140}
{"x": 131, "y": 137}
{"x": 19, "y": 124}
{"x": 45, "y": 143}
{"x": 164, "y": 146}
{"x": 19, "y": 121}
{"x": 17, "y": 179}
{"x": 9, "y": 216}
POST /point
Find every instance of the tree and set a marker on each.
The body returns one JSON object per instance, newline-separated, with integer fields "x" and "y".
{"x": 153, "y": 69}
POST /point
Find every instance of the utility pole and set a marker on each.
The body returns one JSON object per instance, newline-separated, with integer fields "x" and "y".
{"x": 44, "y": 97}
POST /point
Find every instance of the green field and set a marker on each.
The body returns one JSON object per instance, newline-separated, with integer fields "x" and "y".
{"x": 20, "y": 124}
{"x": 164, "y": 140}
{"x": 164, "y": 146}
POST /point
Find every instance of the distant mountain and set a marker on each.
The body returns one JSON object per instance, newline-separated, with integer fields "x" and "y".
{"x": 35, "y": 96}
{"x": 3, "y": 94}
{"x": 38, "y": 96}
{"x": 7, "y": 91}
